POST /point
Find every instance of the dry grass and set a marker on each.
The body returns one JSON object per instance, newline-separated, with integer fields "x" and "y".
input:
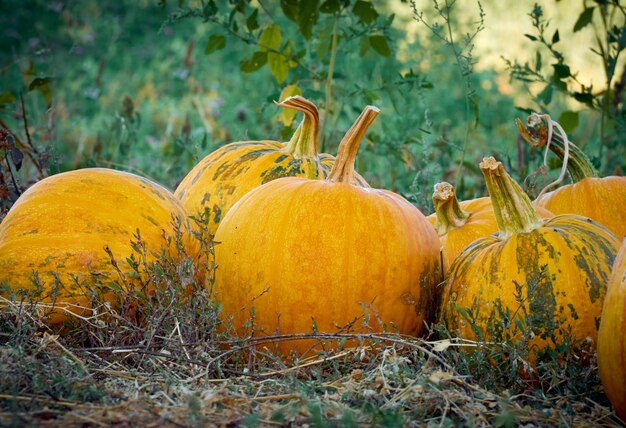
{"x": 176, "y": 366}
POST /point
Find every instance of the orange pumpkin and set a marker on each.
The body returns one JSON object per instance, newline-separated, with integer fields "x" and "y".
{"x": 612, "y": 336}
{"x": 602, "y": 199}
{"x": 547, "y": 275}
{"x": 297, "y": 255}
{"x": 53, "y": 238}
{"x": 458, "y": 224}
{"x": 224, "y": 176}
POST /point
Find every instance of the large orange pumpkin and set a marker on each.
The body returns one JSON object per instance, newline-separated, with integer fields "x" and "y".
{"x": 58, "y": 229}
{"x": 298, "y": 255}
{"x": 458, "y": 224}
{"x": 612, "y": 336}
{"x": 224, "y": 176}
{"x": 602, "y": 199}
{"x": 547, "y": 275}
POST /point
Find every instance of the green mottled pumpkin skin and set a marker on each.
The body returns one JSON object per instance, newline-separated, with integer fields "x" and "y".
{"x": 223, "y": 177}
{"x": 559, "y": 271}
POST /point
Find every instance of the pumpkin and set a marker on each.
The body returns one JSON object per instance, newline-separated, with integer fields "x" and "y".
{"x": 602, "y": 199}
{"x": 57, "y": 231}
{"x": 612, "y": 336}
{"x": 297, "y": 255}
{"x": 225, "y": 175}
{"x": 458, "y": 224}
{"x": 550, "y": 275}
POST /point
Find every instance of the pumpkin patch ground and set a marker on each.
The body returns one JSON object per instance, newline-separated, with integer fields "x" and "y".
{"x": 333, "y": 213}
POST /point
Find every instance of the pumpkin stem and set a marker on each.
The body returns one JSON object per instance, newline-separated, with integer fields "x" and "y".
{"x": 304, "y": 142}
{"x": 537, "y": 134}
{"x": 343, "y": 168}
{"x": 447, "y": 209}
{"x": 512, "y": 207}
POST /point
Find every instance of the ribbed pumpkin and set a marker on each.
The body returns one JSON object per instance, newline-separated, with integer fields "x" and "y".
{"x": 602, "y": 199}
{"x": 612, "y": 336}
{"x": 313, "y": 254}
{"x": 553, "y": 271}
{"x": 60, "y": 226}
{"x": 458, "y": 224}
{"x": 231, "y": 171}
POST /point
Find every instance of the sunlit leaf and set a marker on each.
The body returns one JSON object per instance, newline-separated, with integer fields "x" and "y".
{"x": 270, "y": 38}
{"x": 287, "y": 115}
{"x": 279, "y": 66}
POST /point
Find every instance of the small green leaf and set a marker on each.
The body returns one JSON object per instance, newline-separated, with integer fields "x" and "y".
{"x": 270, "y": 38}
{"x": 307, "y": 17}
{"x": 584, "y": 97}
{"x": 291, "y": 9}
{"x": 561, "y": 71}
{"x": 380, "y": 45}
{"x": 569, "y": 120}
{"x": 216, "y": 42}
{"x": 330, "y": 6}
{"x": 210, "y": 9}
{"x": 531, "y": 37}
{"x": 555, "y": 37}
{"x": 38, "y": 82}
{"x": 258, "y": 60}
{"x": 584, "y": 19}
{"x": 252, "y": 22}
{"x": 365, "y": 11}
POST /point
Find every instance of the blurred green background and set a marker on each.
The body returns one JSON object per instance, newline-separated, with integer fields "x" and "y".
{"x": 152, "y": 87}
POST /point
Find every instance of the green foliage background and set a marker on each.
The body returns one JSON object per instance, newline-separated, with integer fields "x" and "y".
{"x": 152, "y": 87}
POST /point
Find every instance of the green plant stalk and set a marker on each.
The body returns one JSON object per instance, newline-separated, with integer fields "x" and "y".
{"x": 449, "y": 213}
{"x": 343, "y": 168}
{"x": 304, "y": 142}
{"x": 535, "y": 133}
{"x": 514, "y": 211}
{"x": 467, "y": 101}
{"x": 329, "y": 81}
